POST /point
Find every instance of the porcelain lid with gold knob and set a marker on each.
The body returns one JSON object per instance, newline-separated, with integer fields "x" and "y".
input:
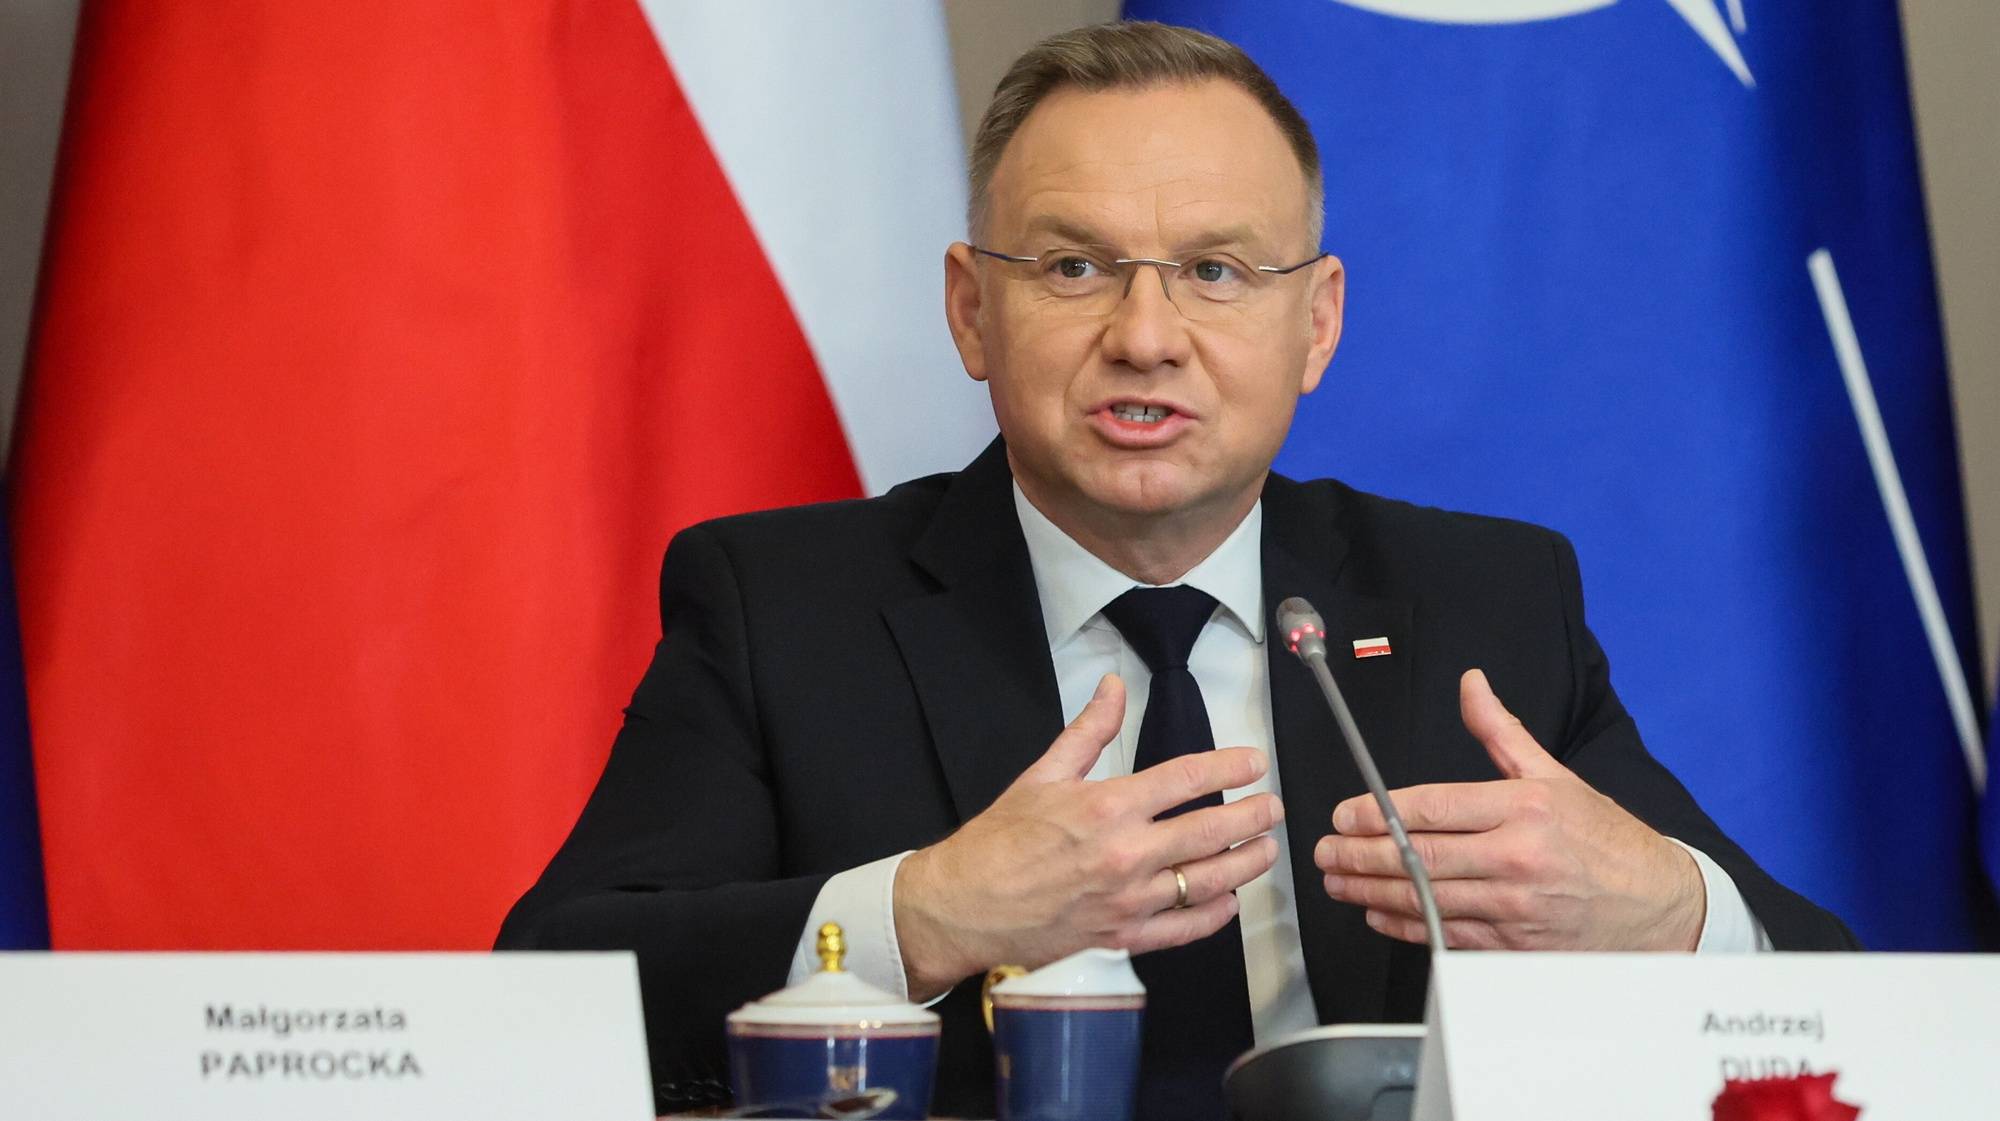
{"x": 833, "y": 997}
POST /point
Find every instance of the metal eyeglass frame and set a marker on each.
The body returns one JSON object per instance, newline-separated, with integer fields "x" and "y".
{"x": 1273, "y": 270}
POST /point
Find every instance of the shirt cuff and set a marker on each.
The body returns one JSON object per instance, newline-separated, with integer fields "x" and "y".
{"x": 1728, "y": 927}
{"x": 863, "y": 901}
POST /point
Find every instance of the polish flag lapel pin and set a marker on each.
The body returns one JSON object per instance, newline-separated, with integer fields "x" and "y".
{"x": 1371, "y": 647}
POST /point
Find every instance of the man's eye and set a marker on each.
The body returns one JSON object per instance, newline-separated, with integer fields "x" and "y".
{"x": 1213, "y": 271}
{"x": 1075, "y": 268}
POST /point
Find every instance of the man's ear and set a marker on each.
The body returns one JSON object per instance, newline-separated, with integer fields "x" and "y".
{"x": 1328, "y": 304}
{"x": 962, "y": 303}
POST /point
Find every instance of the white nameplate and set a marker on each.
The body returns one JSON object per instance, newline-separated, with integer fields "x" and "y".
{"x": 159, "y": 1037}
{"x": 1555, "y": 1037}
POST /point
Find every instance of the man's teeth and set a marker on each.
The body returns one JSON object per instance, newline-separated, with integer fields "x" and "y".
{"x": 1144, "y": 414}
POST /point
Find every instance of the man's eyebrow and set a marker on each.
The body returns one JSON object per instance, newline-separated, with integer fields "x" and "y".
{"x": 1065, "y": 230}
{"x": 1072, "y": 233}
{"x": 1235, "y": 237}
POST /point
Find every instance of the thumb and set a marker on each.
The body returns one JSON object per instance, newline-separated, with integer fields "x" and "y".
{"x": 1507, "y": 742}
{"x": 1075, "y": 751}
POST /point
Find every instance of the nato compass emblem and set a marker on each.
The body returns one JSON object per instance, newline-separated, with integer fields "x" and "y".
{"x": 1702, "y": 15}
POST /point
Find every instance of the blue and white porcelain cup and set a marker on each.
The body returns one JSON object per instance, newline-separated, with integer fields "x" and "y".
{"x": 1066, "y": 1038}
{"x": 833, "y": 1038}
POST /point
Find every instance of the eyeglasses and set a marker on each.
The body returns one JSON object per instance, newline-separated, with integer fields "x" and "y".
{"x": 1088, "y": 280}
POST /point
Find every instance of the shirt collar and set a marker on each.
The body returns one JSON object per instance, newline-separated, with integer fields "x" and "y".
{"x": 1074, "y": 584}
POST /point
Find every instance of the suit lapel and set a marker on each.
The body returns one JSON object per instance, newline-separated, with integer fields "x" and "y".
{"x": 1305, "y": 553}
{"x": 976, "y": 649}
{"x": 977, "y": 654}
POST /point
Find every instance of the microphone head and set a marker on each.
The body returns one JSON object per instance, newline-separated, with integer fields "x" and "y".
{"x": 1301, "y": 626}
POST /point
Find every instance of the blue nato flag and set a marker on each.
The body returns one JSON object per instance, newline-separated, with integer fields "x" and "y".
{"x": 24, "y": 921}
{"x": 1656, "y": 273}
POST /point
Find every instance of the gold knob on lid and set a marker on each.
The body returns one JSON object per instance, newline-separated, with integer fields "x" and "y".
{"x": 994, "y": 976}
{"x": 832, "y": 949}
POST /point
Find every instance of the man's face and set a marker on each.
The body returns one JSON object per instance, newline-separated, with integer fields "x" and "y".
{"x": 1166, "y": 172}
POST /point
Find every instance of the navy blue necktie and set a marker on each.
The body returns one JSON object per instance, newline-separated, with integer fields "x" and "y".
{"x": 1197, "y": 999}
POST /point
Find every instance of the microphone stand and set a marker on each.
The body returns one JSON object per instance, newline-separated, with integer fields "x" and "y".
{"x": 1306, "y": 636}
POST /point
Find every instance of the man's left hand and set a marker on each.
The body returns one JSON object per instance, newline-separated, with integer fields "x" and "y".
{"x": 1535, "y": 861}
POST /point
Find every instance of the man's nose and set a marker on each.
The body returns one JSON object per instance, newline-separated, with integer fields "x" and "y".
{"x": 1146, "y": 329}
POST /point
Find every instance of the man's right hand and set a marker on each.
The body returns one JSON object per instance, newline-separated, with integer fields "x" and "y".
{"x": 1057, "y": 864}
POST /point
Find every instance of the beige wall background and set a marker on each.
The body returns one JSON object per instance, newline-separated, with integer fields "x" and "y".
{"x": 1954, "y": 55}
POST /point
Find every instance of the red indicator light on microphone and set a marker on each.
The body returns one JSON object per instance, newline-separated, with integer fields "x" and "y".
{"x": 1303, "y": 629}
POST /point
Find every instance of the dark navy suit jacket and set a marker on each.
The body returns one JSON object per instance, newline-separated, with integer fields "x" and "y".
{"x": 837, "y": 683}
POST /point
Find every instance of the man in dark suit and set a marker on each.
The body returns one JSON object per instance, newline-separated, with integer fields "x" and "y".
{"x": 856, "y": 711}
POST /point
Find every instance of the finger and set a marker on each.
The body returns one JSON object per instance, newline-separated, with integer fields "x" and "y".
{"x": 1173, "y": 927}
{"x": 1446, "y": 856}
{"x": 1163, "y": 786}
{"x": 1075, "y": 751}
{"x": 1213, "y": 829}
{"x": 1219, "y": 874}
{"x": 1463, "y": 934}
{"x": 1506, "y": 740}
{"x": 1444, "y": 807}
{"x": 1485, "y": 900}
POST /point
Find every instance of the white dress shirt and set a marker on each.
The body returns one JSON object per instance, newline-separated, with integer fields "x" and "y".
{"x": 1229, "y": 663}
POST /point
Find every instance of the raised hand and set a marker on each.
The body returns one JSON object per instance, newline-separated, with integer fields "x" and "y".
{"x": 1057, "y": 863}
{"x": 1536, "y": 861}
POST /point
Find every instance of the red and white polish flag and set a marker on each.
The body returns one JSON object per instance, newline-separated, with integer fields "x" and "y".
{"x": 381, "y": 347}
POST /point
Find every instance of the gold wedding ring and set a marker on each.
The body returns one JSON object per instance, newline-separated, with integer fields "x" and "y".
{"x": 1180, "y": 887}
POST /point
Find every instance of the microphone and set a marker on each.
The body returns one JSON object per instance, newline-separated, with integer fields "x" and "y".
{"x": 1305, "y": 635}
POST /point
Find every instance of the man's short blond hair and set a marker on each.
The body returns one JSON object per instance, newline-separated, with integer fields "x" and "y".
{"x": 1132, "y": 55}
